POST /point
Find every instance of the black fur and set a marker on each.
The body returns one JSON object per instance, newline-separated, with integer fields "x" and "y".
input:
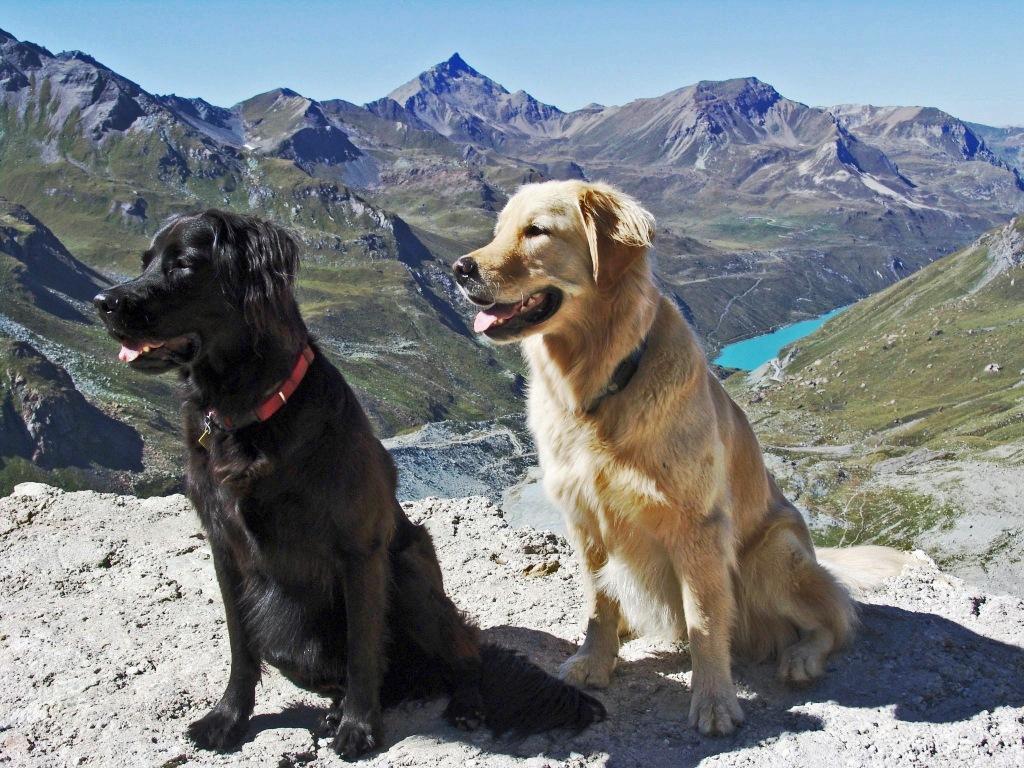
{"x": 322, "y": 574}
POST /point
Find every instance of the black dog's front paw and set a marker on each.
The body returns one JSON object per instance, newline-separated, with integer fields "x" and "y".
{"x": 354, "y": 738}
{"x": 329, "y": 722}
{"x": 221, "y": 729}
{"x": 465, "y": 711}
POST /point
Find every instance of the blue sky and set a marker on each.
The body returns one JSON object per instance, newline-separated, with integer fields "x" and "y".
{"x": 965, "y": 58}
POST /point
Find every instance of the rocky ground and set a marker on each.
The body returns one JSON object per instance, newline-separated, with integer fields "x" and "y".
{"x": 112, "y": 639}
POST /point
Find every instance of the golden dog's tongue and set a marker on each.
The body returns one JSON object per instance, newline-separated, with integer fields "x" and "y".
{"x": 489, "y": 317}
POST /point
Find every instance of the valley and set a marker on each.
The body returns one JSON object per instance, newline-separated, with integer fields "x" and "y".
{"x": 901, "y": 420}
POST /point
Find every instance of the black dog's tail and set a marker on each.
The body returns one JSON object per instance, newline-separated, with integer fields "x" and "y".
{"x": 519, "y": 696}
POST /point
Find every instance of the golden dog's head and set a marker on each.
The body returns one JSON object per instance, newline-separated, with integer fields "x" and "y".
{"x": 558, "y": 247}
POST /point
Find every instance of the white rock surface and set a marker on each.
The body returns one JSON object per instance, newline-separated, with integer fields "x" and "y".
{"x": 112, "y": 639}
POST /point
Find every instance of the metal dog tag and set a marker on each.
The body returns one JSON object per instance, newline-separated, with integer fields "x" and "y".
{"x": 204, "y": 439}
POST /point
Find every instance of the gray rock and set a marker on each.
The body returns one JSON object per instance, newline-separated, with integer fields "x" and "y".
{"x": 112, "y": 640}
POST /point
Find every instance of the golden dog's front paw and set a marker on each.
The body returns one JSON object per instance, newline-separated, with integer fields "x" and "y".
{"x": 587, "y": 670}
{"x": 715, "y": 713}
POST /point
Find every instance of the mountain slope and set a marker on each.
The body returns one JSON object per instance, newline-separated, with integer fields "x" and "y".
{"x": 944, "y": 152}
{"x": 64, "y": 418}
{"x": 37, "y": 266}
{"x": 935, "y": 360}
{"x": 45, "y": 420}
{"x": 901, "y": 421}
{"x": 285, "y": 124}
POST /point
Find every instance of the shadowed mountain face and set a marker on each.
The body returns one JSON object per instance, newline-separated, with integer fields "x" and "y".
{"x": 285, "y": 124}
{"x": 1006, "y": 143}
{"x": 37, "y": 265}
{"x": 46, "y": 420}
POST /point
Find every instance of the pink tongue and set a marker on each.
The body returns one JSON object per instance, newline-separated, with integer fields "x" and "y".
{"x": 132, "y": 349}
{"x": 487, "y": 318}
{"x": 127, "y": 354}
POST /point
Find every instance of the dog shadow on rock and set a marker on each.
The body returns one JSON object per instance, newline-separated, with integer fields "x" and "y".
{"x": 920, "y": 666}
{"x": 928, "y": 668}
{"x": 925, "y": 667}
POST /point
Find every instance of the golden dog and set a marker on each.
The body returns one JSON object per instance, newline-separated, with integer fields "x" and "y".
{"x": 681, "y": 530}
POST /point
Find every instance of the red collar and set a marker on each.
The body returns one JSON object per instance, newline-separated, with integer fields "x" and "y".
{"x": 268, "y": 407}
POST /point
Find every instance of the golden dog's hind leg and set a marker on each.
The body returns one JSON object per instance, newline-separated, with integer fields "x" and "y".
{"x": 592, "y": 665}
{"x": 783, "y": 581}
{"x": 824, "y": 615}
{"x": 704, "y": 569}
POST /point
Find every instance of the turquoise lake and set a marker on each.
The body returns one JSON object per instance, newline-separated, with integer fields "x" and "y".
{"x": 750, "y": 353}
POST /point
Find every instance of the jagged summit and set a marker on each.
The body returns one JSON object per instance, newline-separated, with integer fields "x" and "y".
{"x": 738, "y": 88}
{"x": 459, "y": 102}
{"x": 920, "y": 137}
{"x": 455, "y": 64}
{"x": 77, "y": 55}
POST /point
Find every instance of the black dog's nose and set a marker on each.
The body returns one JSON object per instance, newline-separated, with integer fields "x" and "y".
{"x": 465, "y": 269}
{"x": 105, "y": 302}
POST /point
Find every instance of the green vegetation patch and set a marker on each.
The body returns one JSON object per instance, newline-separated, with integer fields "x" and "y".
{"x": 889, "y": 516}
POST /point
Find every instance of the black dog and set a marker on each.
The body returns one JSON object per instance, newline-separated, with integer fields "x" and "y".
{"x": 322, "y": 574}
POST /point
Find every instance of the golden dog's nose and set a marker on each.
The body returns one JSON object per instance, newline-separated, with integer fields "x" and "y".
{"x": 465, "y": 269}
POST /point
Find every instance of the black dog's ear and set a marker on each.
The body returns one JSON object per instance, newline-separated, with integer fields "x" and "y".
{"x": 259, "y": 262}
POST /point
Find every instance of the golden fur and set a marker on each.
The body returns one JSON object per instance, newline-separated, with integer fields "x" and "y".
{"x": 680, "y": 529}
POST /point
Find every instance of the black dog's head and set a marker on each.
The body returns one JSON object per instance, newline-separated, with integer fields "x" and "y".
{"x": 214, "y": 280}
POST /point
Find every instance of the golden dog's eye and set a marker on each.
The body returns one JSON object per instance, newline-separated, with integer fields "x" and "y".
{"x": 534, "y": 231}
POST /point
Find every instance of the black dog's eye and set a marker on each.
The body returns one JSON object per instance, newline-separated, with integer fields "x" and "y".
{"x": 180, "y": 267}
{"x": 534, "y": 231}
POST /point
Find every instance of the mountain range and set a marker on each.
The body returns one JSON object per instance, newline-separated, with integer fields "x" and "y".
{"x": 769, "y": 210}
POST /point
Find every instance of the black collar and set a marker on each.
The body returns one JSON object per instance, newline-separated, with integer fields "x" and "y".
{"x": 621, "y": 376}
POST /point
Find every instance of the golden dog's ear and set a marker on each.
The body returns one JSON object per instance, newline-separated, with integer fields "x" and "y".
{"x": 618, "y": 229}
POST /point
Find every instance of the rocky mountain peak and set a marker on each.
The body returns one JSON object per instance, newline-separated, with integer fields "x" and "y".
{"x": 456, "y": 65}
{"x": 459, "y": 102}
{"x": 451, "y": 77}
{"x": 76, "y": 55}
{"x": 748, "y": 92}
{"x": 908, "y": 127}
{"x": 200, "y": 109}
{"x": 23, "y": 54}
{"x": 287, "y": 124}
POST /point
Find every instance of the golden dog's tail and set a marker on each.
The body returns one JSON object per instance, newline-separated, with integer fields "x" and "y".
{"x": 863, "y": 567}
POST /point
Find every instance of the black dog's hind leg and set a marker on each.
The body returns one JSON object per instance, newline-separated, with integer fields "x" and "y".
{"x": 366, "y": 596}
{"x": 224, "y": 726}
{"x": 429, "y": 619}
